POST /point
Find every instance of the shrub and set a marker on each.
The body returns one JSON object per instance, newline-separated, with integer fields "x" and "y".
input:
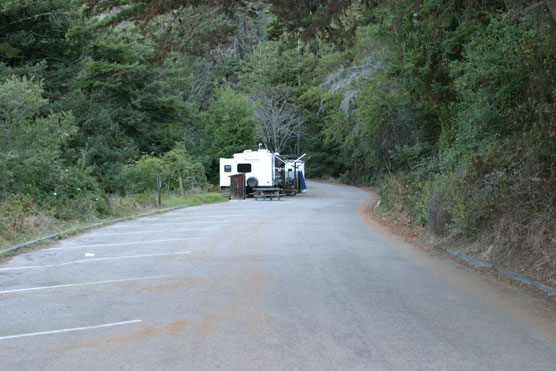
{"x": 77, "y": 195}
{"x": 143, "y": 174}
{"x": 30, "y": 142}
{"x": 13, "y": 212}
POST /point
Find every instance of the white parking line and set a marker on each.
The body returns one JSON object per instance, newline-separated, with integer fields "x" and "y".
{"x": 180, "y": 223}
{"x": 93, "y": 260}
{"x": 83, "y": 284}
{"x": 219, "y": 212}
{"x": 147, "y": 222}
{"x": 70, "y": 329}
{"x": 159, "y": 231}
{"x": 124, "y": 243}
{"x": 193, "y": 217}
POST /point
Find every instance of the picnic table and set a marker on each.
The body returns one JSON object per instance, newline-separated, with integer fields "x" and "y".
{"x": 267, "y": 193}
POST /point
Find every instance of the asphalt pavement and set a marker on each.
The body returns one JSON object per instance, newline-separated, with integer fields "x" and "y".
{"x": 297, "y": 284}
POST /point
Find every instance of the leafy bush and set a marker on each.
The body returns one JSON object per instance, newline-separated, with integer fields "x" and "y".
{"x": 13, "y": 212}
{"x": 30, "y": 142}
{"x": 78, "y": 195}
{"x": 491, "y": 82}
{"x": 143, "y": 174}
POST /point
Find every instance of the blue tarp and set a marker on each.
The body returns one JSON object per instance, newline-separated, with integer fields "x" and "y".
{"x": 302, "y": 184}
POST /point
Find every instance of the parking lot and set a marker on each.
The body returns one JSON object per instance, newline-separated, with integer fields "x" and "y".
{"x": 300, "y": 283}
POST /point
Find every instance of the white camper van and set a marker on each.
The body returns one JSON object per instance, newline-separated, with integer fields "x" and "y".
{"x": 260, "y": 168}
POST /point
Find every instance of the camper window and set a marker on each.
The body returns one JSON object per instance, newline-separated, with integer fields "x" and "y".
{"x": 243, "y": 168}
{"x": 227, "y": 168}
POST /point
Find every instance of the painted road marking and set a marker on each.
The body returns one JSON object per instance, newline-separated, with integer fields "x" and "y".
{"x": 125, "y": 243}
{"x": 159, "y": 231}
{"x": 184, "y": 222}
{"x": 70, "y": 329}
{"x": 93, "y": 260}
{"x": 212, "y": 211}
{"x": 146, "y": 224}
{"x": 194, "y": 217}
{"x": 84, "y": 284}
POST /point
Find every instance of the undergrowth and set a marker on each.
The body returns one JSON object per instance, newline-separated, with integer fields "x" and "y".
{"x": 22, "y": 219}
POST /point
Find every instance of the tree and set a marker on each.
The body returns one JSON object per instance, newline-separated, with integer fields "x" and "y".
{"x": 30, "y": 143}
{"x": 116, "y": 10}
{"x": 230, "y": 125}
{"x": 34, "y": 30}
{"x": 311, "y": 19}
{"x": 278, "y": 122}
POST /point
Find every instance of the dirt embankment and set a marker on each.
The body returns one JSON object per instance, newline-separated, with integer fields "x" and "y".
{"x": 500, "y": 248}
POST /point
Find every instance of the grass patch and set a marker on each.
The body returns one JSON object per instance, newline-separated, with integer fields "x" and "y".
{"x": 21, "y": 220}
{"x": 192, "y": 199}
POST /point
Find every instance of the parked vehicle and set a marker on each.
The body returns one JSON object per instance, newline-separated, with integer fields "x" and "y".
{"x": 260, "y": 168}
{"x": 264, "y": 169}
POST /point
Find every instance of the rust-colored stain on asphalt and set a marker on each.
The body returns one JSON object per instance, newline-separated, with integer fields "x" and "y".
{"x": 108, "y": 344}
{"x": 176, "y": 329}
{"x": 136, "y": 336}
{"x": 207, "y": 325}
{"x": 245, "y": 289}
{"x": 167, "y": 284}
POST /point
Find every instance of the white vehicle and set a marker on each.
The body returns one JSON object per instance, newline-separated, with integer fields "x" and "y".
{"x": 261, "y": 168}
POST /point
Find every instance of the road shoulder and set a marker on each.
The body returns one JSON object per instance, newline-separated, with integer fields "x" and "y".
{"x": 522, "y": 302}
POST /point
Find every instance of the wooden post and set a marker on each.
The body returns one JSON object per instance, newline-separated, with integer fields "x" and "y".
{"x": 181, "y": 188}
{"x": 158, "y": 186}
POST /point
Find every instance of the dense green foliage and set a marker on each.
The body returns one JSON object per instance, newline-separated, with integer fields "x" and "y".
{"x": 449, "y": 105}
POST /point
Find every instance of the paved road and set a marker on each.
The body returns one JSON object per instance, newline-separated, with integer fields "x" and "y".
{"x": 300, "y": 284}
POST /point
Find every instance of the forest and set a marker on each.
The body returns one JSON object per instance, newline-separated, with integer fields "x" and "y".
{"x": 447, "y": 106}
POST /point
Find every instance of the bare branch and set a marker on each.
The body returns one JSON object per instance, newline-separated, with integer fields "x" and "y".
{"x": 534, "y": 6}
{"x": 278, "y": 121}
{"x": 550, "y": 4}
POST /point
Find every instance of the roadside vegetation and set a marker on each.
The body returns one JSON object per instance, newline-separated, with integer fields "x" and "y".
{"x": 23, "y": 220}
{"x": 448, "y": 106}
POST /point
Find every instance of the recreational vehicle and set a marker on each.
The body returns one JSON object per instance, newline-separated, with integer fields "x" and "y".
{"x": 263, "y": 169}
{"x": 260, "y": 168}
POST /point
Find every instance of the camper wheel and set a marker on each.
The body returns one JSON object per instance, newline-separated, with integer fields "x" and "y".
{"x": 252, "y": 182}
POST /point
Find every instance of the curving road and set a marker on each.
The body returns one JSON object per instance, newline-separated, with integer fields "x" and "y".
{"x": 300, "y": 284}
